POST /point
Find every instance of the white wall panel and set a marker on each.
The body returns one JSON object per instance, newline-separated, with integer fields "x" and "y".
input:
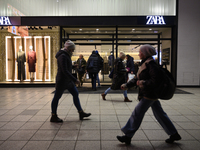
{"x": 188, "y": 62}
{"x": 89, "y": 7}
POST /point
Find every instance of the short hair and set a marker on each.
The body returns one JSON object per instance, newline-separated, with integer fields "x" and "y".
{"x": 122, "y": 54}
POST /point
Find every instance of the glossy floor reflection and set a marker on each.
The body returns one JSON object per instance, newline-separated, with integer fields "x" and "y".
{"x": 25, "y": 114}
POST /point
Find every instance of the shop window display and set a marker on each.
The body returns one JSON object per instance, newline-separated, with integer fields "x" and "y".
{"x": 28, "y": 58}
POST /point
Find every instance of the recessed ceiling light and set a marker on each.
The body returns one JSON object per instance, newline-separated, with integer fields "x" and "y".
{"x": 133, "y": 29}
{"x": 97, "y": 29}
{"x": 150, "y": 29}
{"x": 80, "y": 29}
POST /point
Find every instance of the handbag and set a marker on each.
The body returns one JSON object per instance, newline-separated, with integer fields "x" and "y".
{"x": 130, "y": 76}
{"x": 87, "y": 76}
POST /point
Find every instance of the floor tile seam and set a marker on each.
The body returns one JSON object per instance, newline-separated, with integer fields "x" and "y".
{"x": 78, "y": 135}
{"x": 191, "y": 134}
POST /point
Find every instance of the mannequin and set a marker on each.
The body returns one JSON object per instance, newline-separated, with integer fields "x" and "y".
{"x": 31, "y": 62}
{"x": 21, "y": 59}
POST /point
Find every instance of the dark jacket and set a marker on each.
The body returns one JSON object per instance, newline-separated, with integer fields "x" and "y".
{"x": 150, "y": 78}
{"x": 82, "y": 66}
{"x": 119, "y": 75}
{"x": 64, "y": 77}
{"x": 93, "y": 65}
{"x": 130, "y": 64}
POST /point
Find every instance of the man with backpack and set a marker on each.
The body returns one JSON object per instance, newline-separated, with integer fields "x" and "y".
{"x": 149, "y": 78}
{"x": 94, "y": 65}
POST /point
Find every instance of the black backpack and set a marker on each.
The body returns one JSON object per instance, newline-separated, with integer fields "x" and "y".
{"x": 167, "y": 88}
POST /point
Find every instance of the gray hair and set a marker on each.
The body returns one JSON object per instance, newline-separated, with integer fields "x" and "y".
{"x": 69, "y": 45}
{"x": 122, "y": 54}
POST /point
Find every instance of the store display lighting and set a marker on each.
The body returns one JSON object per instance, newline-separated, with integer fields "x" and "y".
{"x": 150, "y": 29}
{"x": 97, "y": 29}
{"x": 80, "y": 29}
{"x": 133, "y": 29}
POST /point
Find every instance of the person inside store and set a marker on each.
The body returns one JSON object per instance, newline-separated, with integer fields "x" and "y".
{"x": 65, "y": 80}
{"x": 119, "y": 77}
{"x": 110, "y": 60}
{"x": 81, "y": 65}
{"x": 148, "y": 79}
{"x": 93, "y": 67}
{"x": 129, "y": 65}
{"x": 101, "y": 66}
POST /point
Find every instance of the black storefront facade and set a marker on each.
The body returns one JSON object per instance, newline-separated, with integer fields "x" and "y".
{"x": 119, "y": 24}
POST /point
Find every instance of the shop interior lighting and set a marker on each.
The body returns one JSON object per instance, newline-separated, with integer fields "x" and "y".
{"x": 150, "y": 29}
{"x": 97, "y": 29}
{"x": 133, "y": 29}
{"x": 80, "y": 29}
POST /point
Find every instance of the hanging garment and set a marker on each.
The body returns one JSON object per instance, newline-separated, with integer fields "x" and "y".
{"x": 31, "y": 61}
{"x": 21, "y": 58}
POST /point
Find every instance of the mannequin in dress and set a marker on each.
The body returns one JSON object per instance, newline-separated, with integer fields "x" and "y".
{"x": 31, "y": 62}
{"x": 21, "y": 59}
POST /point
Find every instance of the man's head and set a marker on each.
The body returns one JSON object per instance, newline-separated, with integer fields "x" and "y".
{"x": 80, "y": 56}
{"x": 122, "y": 55}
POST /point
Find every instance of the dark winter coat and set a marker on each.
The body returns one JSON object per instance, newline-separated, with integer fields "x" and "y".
{"x": 119, "y": 75}
{"x": 64, "y": 77}
{"x": 150, "y": 78}
{"x": 130, "y": 64}
{"x": 93, "y": 65}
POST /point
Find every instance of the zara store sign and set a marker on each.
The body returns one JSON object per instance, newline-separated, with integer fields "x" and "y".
{"x": 5, "y": 20}
{"x": 155, "y": 20}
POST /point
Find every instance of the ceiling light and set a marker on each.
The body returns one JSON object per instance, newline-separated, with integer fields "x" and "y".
{"x": 97, "y": 29}
{"x": 80, "y": 29}
{"x": 150, "y": 29}
{"x": 133, "y": 29}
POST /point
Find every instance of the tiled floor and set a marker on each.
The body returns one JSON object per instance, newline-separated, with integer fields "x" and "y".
{"x": 25, "y": 114}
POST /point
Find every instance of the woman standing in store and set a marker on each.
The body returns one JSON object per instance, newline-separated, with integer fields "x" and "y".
{"x": 148, "y": 79}
{"x": 65, "y": 80}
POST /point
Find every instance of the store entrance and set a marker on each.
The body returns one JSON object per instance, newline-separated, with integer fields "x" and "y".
{"x": 112, "y": 40}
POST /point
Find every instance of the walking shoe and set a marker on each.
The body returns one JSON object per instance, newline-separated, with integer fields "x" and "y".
{"x": 54, "y": 118}
{"x": 124, "y": 139}
{"x": 103, "y": 96}
{"x": 127, "y": 100}
{"x": 82, "y": 114}
{"x": 172, "y": 138}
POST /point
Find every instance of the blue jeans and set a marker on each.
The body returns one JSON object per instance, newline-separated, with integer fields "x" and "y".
{"x": 137, "y": 116}
{"x": 59, "y": 93}
{"x": 98, "y": 79}
{"x": 124, "y": 92}
{"x": 94, "y": 78}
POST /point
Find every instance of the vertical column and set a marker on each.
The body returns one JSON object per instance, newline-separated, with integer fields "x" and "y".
{"x": 13, "y": 52}
{"x": 116, "y": 41}
{"x": 43, "y": 50}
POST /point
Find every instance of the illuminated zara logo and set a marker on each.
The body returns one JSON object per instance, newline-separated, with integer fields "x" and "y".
{"x": 157, "y": 20}
{"x": 5, "y": 21}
